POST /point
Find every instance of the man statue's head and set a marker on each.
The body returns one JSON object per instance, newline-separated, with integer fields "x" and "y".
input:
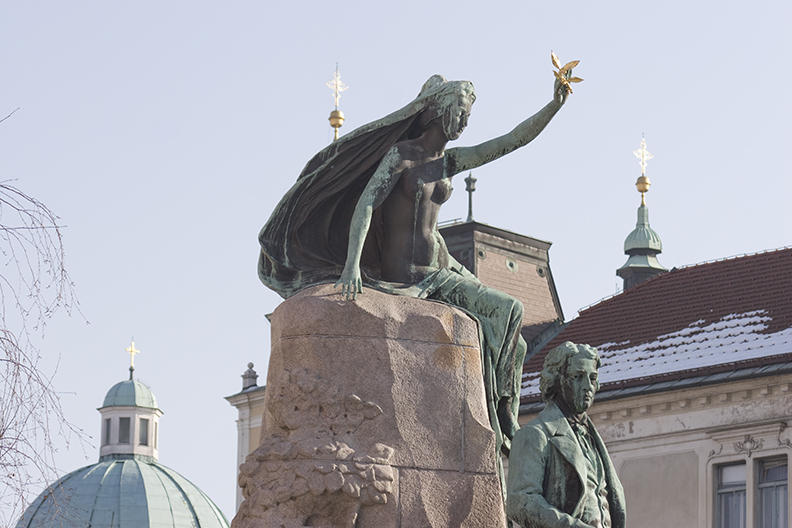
{"x": 569, "y": 376}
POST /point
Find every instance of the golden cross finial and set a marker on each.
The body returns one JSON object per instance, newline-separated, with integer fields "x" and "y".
{"x": 643, "y": 155}
{"x": 643, "y": 182}
{"x": 132, "y": 352}
{"x": 337, "y": 86}
{"x": 336, "y": 116}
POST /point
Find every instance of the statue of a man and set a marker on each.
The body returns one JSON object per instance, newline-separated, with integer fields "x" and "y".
{"x": 560, "y": 474}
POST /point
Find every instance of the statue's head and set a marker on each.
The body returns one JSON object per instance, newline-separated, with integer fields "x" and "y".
{"x": 449, "y": 101}
{"x": 569, "y": 374}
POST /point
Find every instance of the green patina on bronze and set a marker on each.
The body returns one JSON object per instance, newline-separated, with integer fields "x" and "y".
{"x": 560, "y": 474}
{"x": 364, "y": 211}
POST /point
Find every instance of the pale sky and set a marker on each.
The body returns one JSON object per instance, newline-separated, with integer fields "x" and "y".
{"x": 164, "y": 133}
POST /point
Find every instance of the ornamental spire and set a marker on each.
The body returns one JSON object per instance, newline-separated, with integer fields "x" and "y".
{"x": 643, "y": 183}
{"x": 336, "y": 116}
{"x": 643, "y": 244}
{"x": 470, "y": 187}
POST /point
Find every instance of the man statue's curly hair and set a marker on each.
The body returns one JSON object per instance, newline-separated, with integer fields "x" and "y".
{"x": 555, "y": 366}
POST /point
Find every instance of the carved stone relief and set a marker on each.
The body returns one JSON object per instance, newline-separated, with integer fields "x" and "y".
{"x": 748, "y": 445}
{"x": 783, "y": 442}
{"x": 308, "y": 470}
{"x": 715, "y": 452}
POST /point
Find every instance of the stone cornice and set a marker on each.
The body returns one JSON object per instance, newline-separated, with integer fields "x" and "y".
{"x": 687, "y": 400}
{"x": 249, "y": 396}
{"x": 711, "y": 407}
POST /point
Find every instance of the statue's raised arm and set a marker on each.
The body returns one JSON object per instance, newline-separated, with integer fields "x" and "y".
{"x": 467, "y": 158}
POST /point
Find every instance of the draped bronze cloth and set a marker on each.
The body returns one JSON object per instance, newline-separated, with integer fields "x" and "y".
{"x": 305, "y": 240}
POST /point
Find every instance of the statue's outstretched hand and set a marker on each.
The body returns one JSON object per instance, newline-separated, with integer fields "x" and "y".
{"x": 561, "y": 87}
{"x": 560, "y": 92}
{"x": 350, "y": 282}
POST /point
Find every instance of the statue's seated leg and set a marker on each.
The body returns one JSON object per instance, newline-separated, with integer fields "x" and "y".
{"x": 503, "y": 348}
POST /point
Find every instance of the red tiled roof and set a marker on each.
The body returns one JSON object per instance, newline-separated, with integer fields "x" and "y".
{"x": 688, "y": 322}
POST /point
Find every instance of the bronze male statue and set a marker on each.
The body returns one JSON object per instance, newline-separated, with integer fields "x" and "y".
{"x": 560, "y": 475}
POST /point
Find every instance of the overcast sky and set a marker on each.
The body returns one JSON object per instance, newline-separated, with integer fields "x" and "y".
{"x": 163, "y": 134}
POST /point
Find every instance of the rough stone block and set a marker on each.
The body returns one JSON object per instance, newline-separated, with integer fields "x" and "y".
{"x": 364, "y": 398}
{"x": 442, "y": 499}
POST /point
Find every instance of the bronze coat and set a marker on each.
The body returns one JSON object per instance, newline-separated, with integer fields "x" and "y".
{"x": 547, "y": 475}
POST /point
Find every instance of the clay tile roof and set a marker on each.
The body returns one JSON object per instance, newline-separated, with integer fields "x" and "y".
{"x": 714, "y": 317}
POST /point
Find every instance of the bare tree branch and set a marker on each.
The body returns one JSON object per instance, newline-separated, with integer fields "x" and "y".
{"x": 34, "y": 284}
{"x": 14, "y": 111}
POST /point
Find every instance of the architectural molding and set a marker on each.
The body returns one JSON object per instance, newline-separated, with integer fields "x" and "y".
{"x": 689, "y": 399}
{"x": 747, "y": 440}
{"x": 748, "y": 445}
{"x": 786, "y": 442}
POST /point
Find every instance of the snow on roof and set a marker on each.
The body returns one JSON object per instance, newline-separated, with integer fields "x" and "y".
{"x": 717, "y": 316}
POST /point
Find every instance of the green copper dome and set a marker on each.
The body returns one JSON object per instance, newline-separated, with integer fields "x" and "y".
{"x": 123, "y": 491}
{"x": 643, "y": 237}
{"x": 130, "y": 393}
{"x": 642, "y": 246}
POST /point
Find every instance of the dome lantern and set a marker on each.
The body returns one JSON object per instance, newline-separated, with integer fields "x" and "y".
{"x": 130, "y": 418}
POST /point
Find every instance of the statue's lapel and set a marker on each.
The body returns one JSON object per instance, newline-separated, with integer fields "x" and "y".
{"x": 567, "y": 445}
{"x": 616, "y": 490}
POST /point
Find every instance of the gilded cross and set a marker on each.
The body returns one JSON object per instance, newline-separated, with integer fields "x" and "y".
{"x": 132, "y": 352}
{"x": 643, "y": 155}
{"x": 337, "y": 86}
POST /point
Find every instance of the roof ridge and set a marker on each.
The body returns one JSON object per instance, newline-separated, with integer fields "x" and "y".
{"x": 735, "y": 257}
{"x": 678, "y": 268}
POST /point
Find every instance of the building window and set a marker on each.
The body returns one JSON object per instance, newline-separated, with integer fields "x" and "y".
{"x": 771, "y": 498}
{"x": 106, "y": 435}
{"x": 143, "y": 436}
{"x": 767, "y": 479}
{"x": 730, "y": 500}
{"x": 123, "y": 430}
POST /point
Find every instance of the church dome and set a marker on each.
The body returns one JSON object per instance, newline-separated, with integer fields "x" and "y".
{"x": 130, "y": 393}
{"x": 125, "y": 491}
{"x": 128, "y": 487}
